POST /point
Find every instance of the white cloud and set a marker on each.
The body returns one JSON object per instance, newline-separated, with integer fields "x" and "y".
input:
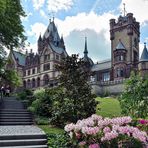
{"x": 95, "y": 27}
{"x": 43, "y": 14}
{"x": 138, "y": 7}
{"x": 36, "y": 29}
{"x": 85, "y": 21}
{"x": 38, "y": 3}
{"x": 56, "y": 5}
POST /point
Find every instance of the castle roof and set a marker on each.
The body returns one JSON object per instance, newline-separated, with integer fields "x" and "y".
{"x": 103, "y": 65}
{"x": 144, "y": 55}
{"x": 20, "y": 57}
{"x": 120, "y": 46}
{"x": 52, "y": 31}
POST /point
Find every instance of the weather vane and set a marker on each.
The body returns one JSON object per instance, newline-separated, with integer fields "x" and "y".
{"x": 51, "y": 15}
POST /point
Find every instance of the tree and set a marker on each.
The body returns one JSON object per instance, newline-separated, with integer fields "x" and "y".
{"x": 11, "y": 35}
{"x": 11, "y": 28}
{"x": 78, "y": 101}
{"x": 134, "y": 99}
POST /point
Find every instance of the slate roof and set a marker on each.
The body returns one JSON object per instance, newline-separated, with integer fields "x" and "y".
{"x": 102, "y": 65}
{"x": 144, "y": 55}
{"x": 20, "y": 56}
{"x": 120, "y": 46}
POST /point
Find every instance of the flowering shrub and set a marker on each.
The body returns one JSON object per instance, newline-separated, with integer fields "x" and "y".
{"x": 143, "y": 124}
{"x": 96, "y": 132}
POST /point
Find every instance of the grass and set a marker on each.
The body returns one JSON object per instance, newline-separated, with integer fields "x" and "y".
{"x": 108, "y": 107}
{"x": 51, "y": 130}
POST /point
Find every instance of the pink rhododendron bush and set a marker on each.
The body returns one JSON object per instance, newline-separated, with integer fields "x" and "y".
{"x": 99, "y": 132}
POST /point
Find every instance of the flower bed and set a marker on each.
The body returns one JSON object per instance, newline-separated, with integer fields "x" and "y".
{"x": 96, "y": 132}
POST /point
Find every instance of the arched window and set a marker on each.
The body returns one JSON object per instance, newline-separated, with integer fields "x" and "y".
{"x": 28, "y": 83}
{"x": 38, "y": 82}
{"x": 46, "y": 79}
{"x": 24, "y": 84}
{"x": 33, "y": 83}
{"x": 120, "y": 72}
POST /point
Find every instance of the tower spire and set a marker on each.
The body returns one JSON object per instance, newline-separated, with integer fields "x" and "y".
{"x": 124, "y": 10}
{"x": 85, "y": 48}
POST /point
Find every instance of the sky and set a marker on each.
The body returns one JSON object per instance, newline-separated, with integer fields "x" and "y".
{"x": 76, "y": 19}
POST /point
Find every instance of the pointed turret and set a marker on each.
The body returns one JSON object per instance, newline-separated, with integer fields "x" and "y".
{"x": 40, "y": 38}
{"x": 144, "y": 55}
{"x": 85, "y": 48}
{"x": 86, "y": 58}
{"x": 62, "y": 44}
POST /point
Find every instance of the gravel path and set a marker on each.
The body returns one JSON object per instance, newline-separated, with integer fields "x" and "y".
{"x": 20, "y": 130}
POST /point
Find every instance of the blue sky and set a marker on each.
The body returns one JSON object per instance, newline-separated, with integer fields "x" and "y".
{"x": 76, "y": 19}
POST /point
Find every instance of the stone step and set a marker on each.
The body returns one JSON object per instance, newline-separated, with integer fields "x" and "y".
{"x": 25, "y": 136}
{"x": 30, "y": 146}
{"x": 16, "y": 120}
{"x": 23, "y": 142}
{"x": 15, "y": 117}
{"x": 13, "y": 110}
{"x": 16, "y": 123}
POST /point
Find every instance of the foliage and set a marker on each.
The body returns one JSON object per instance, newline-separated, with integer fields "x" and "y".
{"x": 75, "y": 101}
{"x": 98, "y": 132}
{"x": 11, "y": 77}
{"x": 41, "y": 120}
{"x": 58, "y": 141}
{"x": 11, "y": 35}
{"x": 11, "y": 29}
{"x": 134, "y": 99}
{"x": 108, "y": 107}
{"x": 24, "y": 94}
{"x": 42, "y": 103}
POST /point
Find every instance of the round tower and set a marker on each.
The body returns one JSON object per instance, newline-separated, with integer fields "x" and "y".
{"x": 143, "y": 62}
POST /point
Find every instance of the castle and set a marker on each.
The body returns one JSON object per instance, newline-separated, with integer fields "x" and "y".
{"x": 38, "y": 70}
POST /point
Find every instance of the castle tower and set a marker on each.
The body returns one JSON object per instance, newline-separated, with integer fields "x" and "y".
{"x": 124, "y": 36}
{"x": 143, "y": 62}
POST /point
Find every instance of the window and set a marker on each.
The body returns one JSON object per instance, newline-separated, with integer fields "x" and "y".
{"x": 135, "y": 56}
{"x": 38, "y": 82}
{"x": 33, "y": 82}
{"x": 28, "y": 72}
{"x": 143, "y": 66}
{"x": 46, "y": 57}
{"x": 120, "y": 72}
{"x": 33, "y": 71}
{"x": 46, "y": 79}
{"x": 24, "y": 73}
{"x": 46, "y": 67}
{"x": 106, "y": 76}
{"x": 57, "y": 57}
{"x": 24, "y": 83}
{"x": 120, "y": 58}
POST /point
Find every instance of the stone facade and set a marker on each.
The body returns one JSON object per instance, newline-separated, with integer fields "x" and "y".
{"x": 38, "y": 70}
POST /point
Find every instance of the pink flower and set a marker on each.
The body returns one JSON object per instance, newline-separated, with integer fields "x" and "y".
{"x": 82, "y": 143}
{"x": 106, "y": 129}
{"x": 94, "y": 146}
{"x": 78, "y": 135}
{"x": 142, "y": 121}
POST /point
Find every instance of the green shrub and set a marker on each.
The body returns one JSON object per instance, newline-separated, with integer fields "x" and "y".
{"x": 41, "y": 120}
{"x": 134, "y": 99}
{"x": 58, "y": 141}
{"x": 42, "y": 103}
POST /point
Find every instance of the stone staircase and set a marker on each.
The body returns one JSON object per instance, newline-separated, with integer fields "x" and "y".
{"x": 16, "y": 126}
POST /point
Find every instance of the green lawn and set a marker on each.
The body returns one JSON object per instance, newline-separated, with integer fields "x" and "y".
{"x": 109, "y": 107}
{"x": 51, "y": 130}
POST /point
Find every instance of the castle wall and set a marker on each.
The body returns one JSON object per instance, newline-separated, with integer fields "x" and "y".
{"x": 111, "y": 87}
